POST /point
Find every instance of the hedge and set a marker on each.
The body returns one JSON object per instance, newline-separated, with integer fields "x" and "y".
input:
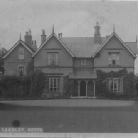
{"x": 22, "y": 87}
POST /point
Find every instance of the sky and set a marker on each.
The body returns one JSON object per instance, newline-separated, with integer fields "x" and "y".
{"x": 73, "y": 18}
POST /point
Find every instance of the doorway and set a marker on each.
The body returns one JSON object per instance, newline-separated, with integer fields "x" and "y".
{"x": 83, "y": 88}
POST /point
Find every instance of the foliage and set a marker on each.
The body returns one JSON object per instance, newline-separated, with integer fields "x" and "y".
{"x": 30, "y": 67}
{"x": 68, "y": 86}
{"x": 128, "y": 83}
{"x": 10, "y": 86}
{"x": 22, "y": 87}
{"x": 37, "y": 84}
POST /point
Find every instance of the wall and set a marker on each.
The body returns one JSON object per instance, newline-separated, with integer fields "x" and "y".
{"x": 12, "y": 62}
{"x": 114, "y": 45}
{"x": 65, "y": 59}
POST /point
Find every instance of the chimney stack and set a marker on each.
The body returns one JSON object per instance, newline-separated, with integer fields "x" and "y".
{"x": 43, "y": 37}
{"x": 34, "y": 46}
{"x": 28, "y": 38}
{"x": 60, "y": 35}
{"x": 97, "y": 35}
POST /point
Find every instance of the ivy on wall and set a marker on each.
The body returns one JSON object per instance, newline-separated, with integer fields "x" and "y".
{"x": 128, "y": 83}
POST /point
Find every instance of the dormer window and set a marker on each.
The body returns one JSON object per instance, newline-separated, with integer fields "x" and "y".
{"x": 21, "y": 53}
{"x": 113, "y": 58}
{"x": 53, "y": 58}
{"x": 83, "y": 62}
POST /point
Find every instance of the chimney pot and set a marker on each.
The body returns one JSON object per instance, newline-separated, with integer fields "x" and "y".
{"x": 28, "y": 38}
{"x": 58, "y": 34}
{"x": 34, "y": 46}
{"x": 43, "y": 37}
{"x": 29, "y": 32}
{"x": 97, "y": 35}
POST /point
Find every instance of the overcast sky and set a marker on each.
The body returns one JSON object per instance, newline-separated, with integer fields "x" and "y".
{"x": 72, "y": 18}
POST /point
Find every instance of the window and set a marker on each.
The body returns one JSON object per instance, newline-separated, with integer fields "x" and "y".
{"x": 113, "y": 58}
{"x": 54, "y": 84}
{"x": 114, "y": 84}
{"x": 21, "y": 70}
{"x": 52, "y": 58}
{"x": 83, "y": 62}
{"x": 21, "y": 53}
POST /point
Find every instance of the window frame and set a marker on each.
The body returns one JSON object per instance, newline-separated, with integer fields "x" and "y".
{"x": 21, "y": 56}
{"x": 83, "y": 62}
{"x": 54, "y": 84}
{"x": 55, "y": 59}
{"x": 113, "y": 58}
{"x": 114, "y": 85}
{"x": 21, "y": 66}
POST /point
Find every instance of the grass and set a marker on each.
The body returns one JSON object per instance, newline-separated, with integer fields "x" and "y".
{"x": 72, "y": 119}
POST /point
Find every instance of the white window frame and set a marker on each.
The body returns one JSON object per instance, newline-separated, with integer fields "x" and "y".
{"x": 114, "y": 84}
{"x": 53, "y": 58}
{"x": 113, "y": 57}
{"x": 54, "y": 84}
{"x": 21, "y": 66}
{"x": 21, "y": 56}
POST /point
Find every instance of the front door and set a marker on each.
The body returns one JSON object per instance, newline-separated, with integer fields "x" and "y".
{"x": 83, "y": 88}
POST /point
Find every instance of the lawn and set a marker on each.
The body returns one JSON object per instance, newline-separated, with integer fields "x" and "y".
{"x": 99, "y": 117}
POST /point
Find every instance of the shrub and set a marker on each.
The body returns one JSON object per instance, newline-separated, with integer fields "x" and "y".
{"x": 128, "y": 84}
{"x": 10, "y": 86}
{"x": 22, "y": 87}
{"x": 37, "y": 83}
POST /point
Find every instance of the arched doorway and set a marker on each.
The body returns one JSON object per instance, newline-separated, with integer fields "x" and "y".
{"x": 83, "y": 88}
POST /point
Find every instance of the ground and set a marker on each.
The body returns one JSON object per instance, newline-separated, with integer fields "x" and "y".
{"x": 72, "y": 115}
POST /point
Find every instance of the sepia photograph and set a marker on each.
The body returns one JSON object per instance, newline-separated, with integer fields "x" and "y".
{"x": 69, "y": 68}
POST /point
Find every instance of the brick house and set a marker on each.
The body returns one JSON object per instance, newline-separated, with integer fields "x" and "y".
{"x": 78, "y": 59}
{"x": 17, "y": 58}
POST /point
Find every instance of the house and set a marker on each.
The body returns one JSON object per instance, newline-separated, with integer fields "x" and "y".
{"x": 79, "y": 58}
{"x": 17, "y": 58}
{"x": 71, "y": 64}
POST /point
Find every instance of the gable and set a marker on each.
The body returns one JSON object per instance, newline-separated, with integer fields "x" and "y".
{"x": 115, "y": 43}
{"x": 126, "y": 59}
{"x": 53, "y": 45}
{"x": 55, "y": 39}
{"x": 19, "y": 43}
{"x": 13, "y": 55}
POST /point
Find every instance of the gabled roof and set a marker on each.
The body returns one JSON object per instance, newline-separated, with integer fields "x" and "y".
{"x": 82, "y": 46}
{"x": 53, "y": 34}
{"x": 24, "y": 44}
{"x": 124, "y": 44}
{"x": 132, "y": 46}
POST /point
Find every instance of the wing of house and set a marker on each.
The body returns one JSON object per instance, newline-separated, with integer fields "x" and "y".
{"x": 81, "y": 57}
{"x": 17, "y": 58}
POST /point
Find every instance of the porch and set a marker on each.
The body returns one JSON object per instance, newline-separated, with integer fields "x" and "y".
{"x": 84, "y": 86}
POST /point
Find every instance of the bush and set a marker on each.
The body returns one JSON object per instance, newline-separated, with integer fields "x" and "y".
{"x": 22, "y": 87}
{"x": 37, "y": 83}
{"x": 10, "y": 86}
{"x": 128, "y": 84}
